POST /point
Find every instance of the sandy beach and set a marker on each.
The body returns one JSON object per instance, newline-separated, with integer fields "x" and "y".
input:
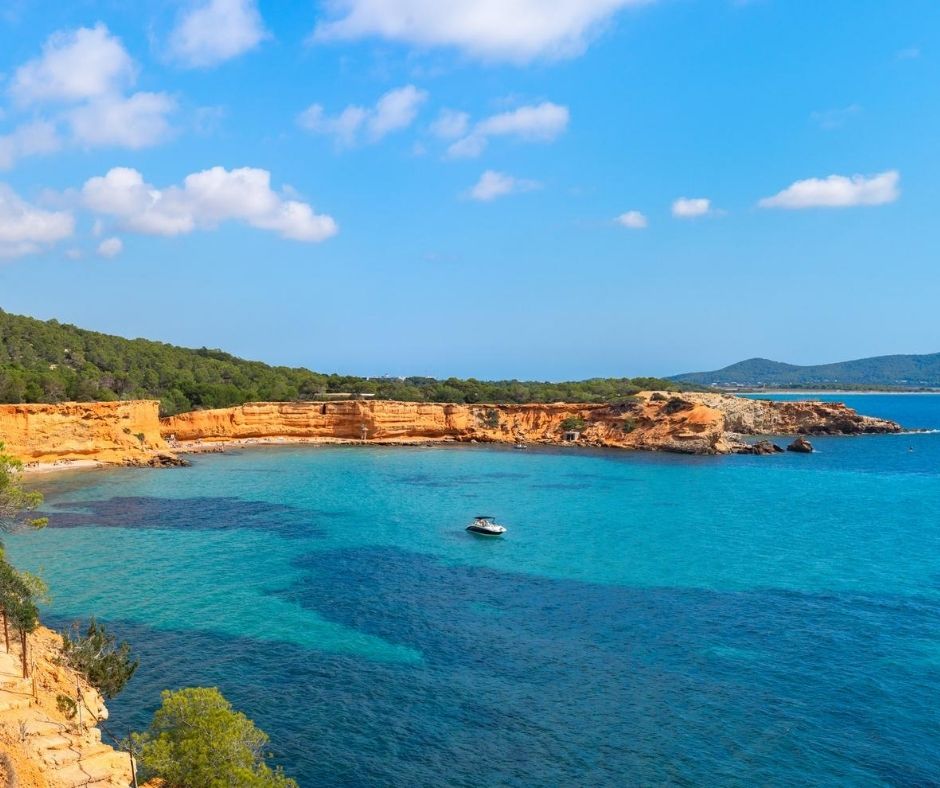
{"x": 57, "y": 466}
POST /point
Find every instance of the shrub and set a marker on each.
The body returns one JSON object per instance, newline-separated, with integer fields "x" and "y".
{"x": 491, "y": 419}
{"x": 98, "y": 656}
{"x": 573, "y": 424}
{"x": 677, "y": 405}
{"x": 196, "y": 740}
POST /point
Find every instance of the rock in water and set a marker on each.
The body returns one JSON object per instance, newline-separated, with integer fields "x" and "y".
{"x": 765, "y": 447}
{"x": 801, "y": 445}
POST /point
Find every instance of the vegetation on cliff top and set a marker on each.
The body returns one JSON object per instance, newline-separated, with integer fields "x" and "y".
{"x": 53, "y": 362}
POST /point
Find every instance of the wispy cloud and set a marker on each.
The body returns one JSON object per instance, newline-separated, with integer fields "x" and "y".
{"x": 394, "y": 111}
{"x": 110, "y": 247}
{"x": 831, "y": 119}
{"x": 633, "y": 220}
{"x": 838, "y": 191}
{"x": 493, "y": 184}
{"x": 532, "y": 123}
{"x": 450, "y": 124}
{"x": 28, "y": 139}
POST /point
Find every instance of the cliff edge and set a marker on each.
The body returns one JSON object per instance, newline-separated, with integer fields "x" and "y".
{"x": 131, "y": 433}
{"x": 44, "y": 747}
{"x": 107, "y": 432}
{"x": 689, "y": 423}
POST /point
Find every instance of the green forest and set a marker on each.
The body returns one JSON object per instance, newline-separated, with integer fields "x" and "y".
{"x": 48, "y": 361}
{"x": 901, "y": 372}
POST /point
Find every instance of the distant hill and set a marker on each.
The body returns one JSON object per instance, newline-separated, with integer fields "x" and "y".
{"x": 53, "y": 362}
{"x": 890, "y": 372}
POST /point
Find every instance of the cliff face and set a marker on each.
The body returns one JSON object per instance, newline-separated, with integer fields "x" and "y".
{"x": 686, "y": 423}
{"x": 132, "y": 433}
{"x": 44, "y": 747}
{"x": 102, "y": 431}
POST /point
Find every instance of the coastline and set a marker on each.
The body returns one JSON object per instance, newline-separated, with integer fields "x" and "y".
{"x": 86, "y": 436}
{"x": 60, "y": 466}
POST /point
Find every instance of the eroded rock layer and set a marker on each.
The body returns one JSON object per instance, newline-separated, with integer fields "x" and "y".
{"x": 655, "y": 421}
{"x": 132, "y": 433}
{"x": 110, "y": 432}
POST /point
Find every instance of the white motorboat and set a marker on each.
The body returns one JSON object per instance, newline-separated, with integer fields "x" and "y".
{"x": 484, "y": 525}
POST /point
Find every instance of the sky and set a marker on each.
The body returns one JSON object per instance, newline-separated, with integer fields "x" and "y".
{"x": 487, "y": 188}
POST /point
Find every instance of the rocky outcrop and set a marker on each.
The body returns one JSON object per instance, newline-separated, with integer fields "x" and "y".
{"x": 654, "y": 421}
{"x": 801, "y": 446}
{"x": 761, "y": 447}
{"x": 109, "y": 432}
{"x": 131, "y": 433}
{"x": 46, "y": 741}
{"x": 801, "y": 417}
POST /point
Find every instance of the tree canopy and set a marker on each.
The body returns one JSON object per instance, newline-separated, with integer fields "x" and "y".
{"x": 197, "y": 740}
{"x": 54, "y": 362}
{"x": 16, "y": 504}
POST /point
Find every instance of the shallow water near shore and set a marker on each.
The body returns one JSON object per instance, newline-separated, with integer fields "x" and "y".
{"x": 647, "y": 619}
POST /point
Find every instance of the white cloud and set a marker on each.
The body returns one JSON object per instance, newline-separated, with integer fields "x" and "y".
{"x": 138, "y": 121}
{"x": 532, "y": 123}
{"x": 517, "y": 31}
{"x": 75, "y": 65}
{"x": 468, "y": 147}
{"x": 494, "y": 184}
{"x": 909, "y": 53}
{"x": 83, "y": 77}
{"x": 343, "y": 127}
{"x": 205, "y": 200}
{"x": 634, "y": 220}
{"x": 110, "y": 247}
{"x": 838, "y": 191}
{"x": 394, "y": 111}
{"x": 214, "y": 31}
{"x": 691, "y": 207}
{"x": 30, "y": 139}
{"x": 26, "y": 229}
{"x": 450, "y": 124}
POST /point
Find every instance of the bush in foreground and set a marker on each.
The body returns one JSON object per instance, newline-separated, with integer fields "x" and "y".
{"x": 197, "y": 740}
{"x": 98, "y": 656}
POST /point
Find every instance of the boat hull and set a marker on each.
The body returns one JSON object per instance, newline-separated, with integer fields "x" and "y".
{"x": 483, "y": 532}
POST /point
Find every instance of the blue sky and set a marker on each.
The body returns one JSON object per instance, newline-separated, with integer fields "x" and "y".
{"x": 496, "y": 188}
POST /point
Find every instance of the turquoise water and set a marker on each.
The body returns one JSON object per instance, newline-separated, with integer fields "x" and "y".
{"x": 647, "y": 619}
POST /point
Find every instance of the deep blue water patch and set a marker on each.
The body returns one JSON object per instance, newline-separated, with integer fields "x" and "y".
{"x": 214, "y": 514}
{"x": 576, "y": 683}
{"x": 529, "y": 681}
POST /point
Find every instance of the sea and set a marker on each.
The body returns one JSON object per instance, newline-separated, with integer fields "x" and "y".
{"x": 648, "y": 619}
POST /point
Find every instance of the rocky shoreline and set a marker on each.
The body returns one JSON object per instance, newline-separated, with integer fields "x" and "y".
{"x": 690, "y": 423}
{"x": 87, "y": 435}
